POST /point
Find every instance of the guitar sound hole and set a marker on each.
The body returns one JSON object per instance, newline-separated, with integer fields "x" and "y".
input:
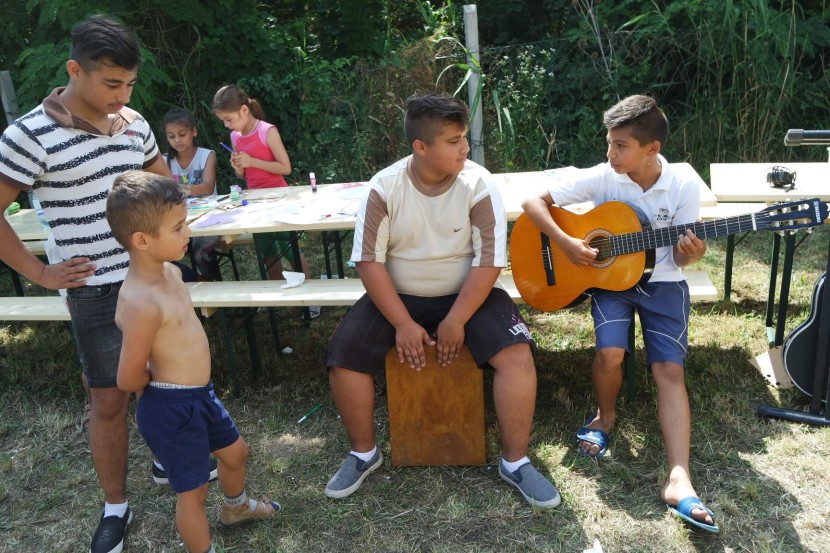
{"x": 603, "y": 246}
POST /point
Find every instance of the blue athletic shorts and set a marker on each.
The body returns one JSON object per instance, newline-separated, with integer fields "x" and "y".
{"x": 664, "y": 317}
{"x": 364, "y": 336}
{"x": 98, "y": 338}
{"x": 182, "y": 427}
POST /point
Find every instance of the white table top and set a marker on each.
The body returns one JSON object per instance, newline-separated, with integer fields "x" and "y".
{"x": 27, "y": 225}
{"x": 747, "y": 182}
{"x": 297, "y": 208}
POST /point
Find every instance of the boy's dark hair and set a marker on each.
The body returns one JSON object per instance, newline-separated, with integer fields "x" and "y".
{"x": 231, "y": 98}
{"x": 426, "y": 116}
{"x": 137, "y": 203}
{"x": 641, "y": 115}
{"x": 182, "y": 117}
{"x": 100, "y": 39}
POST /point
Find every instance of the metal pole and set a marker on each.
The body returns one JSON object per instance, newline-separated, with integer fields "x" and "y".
{"x": 476, "y": 124}
{"x": 9, "y": 97}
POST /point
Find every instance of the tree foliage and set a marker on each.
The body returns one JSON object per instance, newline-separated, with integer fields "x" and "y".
{"x": 334, "y": 74}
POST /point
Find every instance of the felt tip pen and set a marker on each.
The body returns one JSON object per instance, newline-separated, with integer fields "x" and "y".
{"x": 228, "y": 148}
{"x": 304, "y": 417}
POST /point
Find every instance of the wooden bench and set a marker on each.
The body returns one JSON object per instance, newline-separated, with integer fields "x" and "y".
{"x": 209, "y": 297}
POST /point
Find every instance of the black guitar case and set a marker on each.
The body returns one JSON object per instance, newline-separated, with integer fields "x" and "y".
{"x": 801, "y": 346}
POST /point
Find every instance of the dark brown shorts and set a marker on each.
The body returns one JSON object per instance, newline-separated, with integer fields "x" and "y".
{"x": 364, "y": 336}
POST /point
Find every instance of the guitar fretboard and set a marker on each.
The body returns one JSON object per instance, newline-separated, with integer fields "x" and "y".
{"x": 669, "y": 236}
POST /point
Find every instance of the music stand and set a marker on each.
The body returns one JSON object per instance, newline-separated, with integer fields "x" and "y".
{"x": 821, "y": 363}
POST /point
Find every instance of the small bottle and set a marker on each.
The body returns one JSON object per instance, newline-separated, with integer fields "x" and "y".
{"x": 313, "y": 180}
{"x": 236, "y": 193}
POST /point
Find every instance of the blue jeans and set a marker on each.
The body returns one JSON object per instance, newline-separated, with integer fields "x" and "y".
{"x": 98, "y": 338}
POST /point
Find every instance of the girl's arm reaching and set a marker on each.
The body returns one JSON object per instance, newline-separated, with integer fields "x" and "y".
{"x": 208, "y": 178}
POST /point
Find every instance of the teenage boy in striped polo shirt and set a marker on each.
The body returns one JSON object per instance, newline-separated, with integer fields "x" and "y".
{"x": 70, "y": 149}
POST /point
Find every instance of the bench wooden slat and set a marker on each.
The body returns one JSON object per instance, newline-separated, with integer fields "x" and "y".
{"x": 209, "y": 296}
{"x": 33, "y": 308}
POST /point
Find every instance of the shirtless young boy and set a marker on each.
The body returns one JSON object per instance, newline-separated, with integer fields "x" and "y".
{"x": 178, "y": 414}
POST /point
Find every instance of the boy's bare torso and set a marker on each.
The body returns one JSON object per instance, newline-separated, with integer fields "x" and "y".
{"x": 180, "y": 353}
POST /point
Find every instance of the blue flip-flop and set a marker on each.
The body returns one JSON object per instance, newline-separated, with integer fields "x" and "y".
{"x": 594, "y": 436}
{"x": 684, "y": 509}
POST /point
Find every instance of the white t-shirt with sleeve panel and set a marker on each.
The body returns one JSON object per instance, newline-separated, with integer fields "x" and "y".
{"x": 73, "y": 170}
{"x": 193, "y": 173}
{"x": 673, "y": 200}
{"x": 429, "y": 243}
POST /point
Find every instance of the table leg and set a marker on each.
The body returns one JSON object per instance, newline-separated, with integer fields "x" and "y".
{"x": 773, "y": 279}
{"x": 727, "y": 275}
{"x": 786, "y": 274}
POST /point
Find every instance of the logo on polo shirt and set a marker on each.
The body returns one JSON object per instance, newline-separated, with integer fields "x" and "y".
{"x": 663, "y": 215}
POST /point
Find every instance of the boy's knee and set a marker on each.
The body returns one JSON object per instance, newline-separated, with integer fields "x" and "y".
{"x": 234, "y": 456}
{"x": 668, "y": 372}
{"x": 192, "y": 499}
{"x": 609, "y": 359}
{"x": 515, "y": 358}
{"x": 108, "y": 403}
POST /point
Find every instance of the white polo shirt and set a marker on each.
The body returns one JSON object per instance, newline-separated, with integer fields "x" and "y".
{"x": 673, "y": 200}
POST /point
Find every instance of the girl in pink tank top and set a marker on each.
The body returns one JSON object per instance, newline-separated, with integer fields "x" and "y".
{"x": 259, "y": 155}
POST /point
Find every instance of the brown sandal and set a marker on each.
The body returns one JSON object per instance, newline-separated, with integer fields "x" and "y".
{"x": 234, "y": 516}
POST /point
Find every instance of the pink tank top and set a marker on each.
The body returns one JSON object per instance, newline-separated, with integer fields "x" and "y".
{"x": 255, "y": 145}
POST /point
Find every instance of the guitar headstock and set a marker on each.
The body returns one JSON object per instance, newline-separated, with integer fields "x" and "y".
{"x": 794, "y": 215}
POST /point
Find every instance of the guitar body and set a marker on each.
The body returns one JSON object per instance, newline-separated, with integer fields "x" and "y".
{"x": 566, "y": 286}
{"x": 801, "y": 345}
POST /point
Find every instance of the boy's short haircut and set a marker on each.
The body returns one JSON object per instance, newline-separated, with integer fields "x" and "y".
{"x": 426, "y": 116}
{"x": 100, "y": 39}
{"x": 642, "y": 116}
{"x": 137, "y": 203}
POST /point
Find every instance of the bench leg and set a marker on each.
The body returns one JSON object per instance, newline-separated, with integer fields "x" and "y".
{"x": 253, "y": 348}
{"x": 630, "y": 365}
{"x": 229, "y": 353}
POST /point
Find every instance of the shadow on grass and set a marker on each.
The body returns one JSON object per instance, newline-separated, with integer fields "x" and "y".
{"x": 753, "y": 507}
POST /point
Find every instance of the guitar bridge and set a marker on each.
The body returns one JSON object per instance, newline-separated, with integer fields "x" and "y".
{"x": 547, "y": 260}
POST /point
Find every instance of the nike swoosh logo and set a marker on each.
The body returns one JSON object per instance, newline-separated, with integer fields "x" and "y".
{"x": 457, "y": 229}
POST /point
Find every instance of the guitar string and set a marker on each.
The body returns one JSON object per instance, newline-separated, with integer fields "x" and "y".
{"x": 622, "y": 244}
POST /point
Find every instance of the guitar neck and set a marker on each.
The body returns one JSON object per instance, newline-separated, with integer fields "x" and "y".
{"x": 657, "y": 238}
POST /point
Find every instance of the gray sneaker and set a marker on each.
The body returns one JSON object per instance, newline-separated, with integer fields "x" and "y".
{"x": 535, "y": 488}
{"x": 351, "y": 475}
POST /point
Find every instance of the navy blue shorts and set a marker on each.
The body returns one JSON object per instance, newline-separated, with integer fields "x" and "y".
{"x": 364, "y": 336}
{"x": 97, "y": 336}
{"x": 664, "y": 317}
{"x": 182, "y": 427}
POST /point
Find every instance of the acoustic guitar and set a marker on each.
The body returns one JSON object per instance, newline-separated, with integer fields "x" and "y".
{"x": 801, "y": 346}
{"x": 548, "y": 281}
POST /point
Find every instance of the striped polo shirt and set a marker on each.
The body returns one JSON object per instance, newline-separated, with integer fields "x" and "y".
{"x": 429, "y": 243}
{"x": 73, "y": 166}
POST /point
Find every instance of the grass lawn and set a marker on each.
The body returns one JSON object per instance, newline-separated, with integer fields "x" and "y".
{"x": 766, "y": 480}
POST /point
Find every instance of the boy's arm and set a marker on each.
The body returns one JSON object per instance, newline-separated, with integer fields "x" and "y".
{"x": 689, "y": 249}
{"x": 577, "y": 251}
{"x": 68, "y": 274}
{"x": 139, "y": 330}
{"x": 159, "y": 167}
{"x": 410, "y": 337}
